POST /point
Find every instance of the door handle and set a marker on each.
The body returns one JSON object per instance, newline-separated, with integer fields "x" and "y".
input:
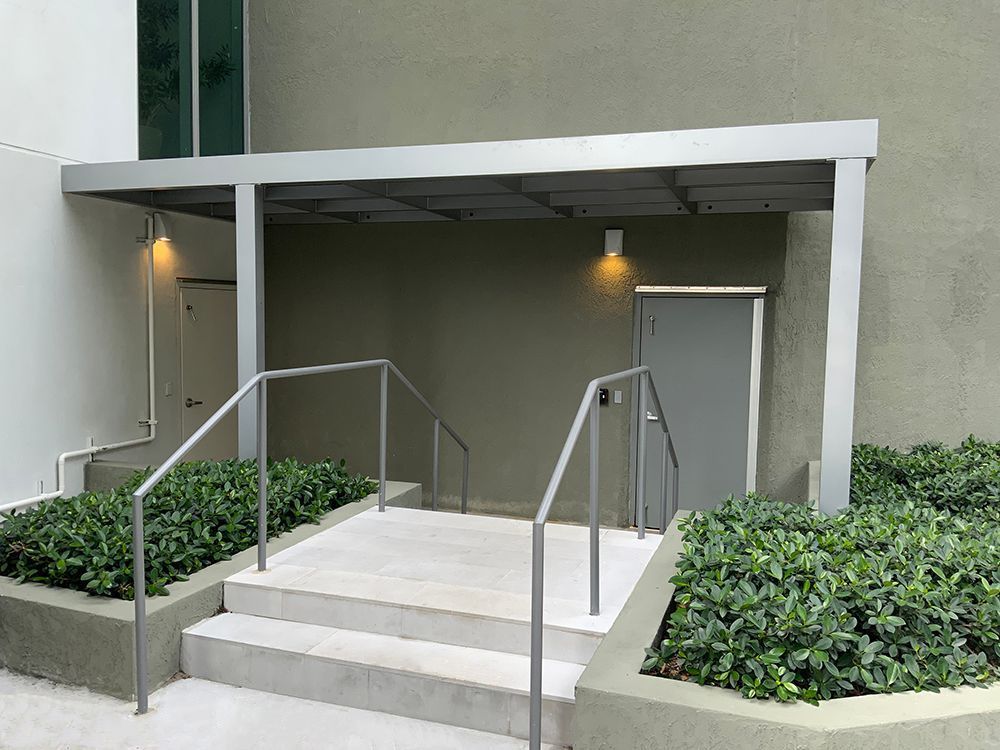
{"x": 652, "y": 325}
{"x": 189, "y": 402}
{"x": 650, "y": 417}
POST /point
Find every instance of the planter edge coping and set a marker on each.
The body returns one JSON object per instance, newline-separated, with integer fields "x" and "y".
{"x": 124, "y": 610}
{"x": 614, "y": 669}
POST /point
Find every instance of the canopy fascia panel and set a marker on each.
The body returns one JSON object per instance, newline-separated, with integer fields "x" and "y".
{"x": 760, "y": 168}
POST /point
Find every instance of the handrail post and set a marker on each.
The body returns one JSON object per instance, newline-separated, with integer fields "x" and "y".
{"x": 465, "y": 481}
{"x": 262, "y": 475}
{"x": 537, "y": 609}
{"x": 383, "y": 422}
{"x": 437, "y": 459}
{"x": 139, "y": 594}
{"x": 676, "y": 482}
{"x": 589, "y": 408}
{"x": 663, "y": 485}
{"x": 595, "y": 560}
{"x": 258, "y": 382}
{"x": 640, "y": 460}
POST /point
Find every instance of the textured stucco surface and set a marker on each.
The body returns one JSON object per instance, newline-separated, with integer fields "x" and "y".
{"x": 107, "y": 475}
{"x": 70, "y": 637}
{"x": 501, "y": 327}
{"x": 616, "y": 707}
{"x": 386, "y": 73}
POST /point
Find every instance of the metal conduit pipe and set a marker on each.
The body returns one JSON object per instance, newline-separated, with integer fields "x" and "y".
{"x": 150, "y": 423}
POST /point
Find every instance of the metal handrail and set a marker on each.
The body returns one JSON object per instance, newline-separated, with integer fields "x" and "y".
{"x": 258, "y": 383}
{"x": 591, "y": 404}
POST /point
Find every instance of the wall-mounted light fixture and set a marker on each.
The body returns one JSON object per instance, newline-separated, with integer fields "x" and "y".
{"x": 614, "y": 241}
{"x": 161, "y": 230}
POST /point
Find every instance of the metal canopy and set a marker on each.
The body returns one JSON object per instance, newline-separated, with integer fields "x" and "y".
{"x": 760, "y": 168}
{"x": 769, "y": 168}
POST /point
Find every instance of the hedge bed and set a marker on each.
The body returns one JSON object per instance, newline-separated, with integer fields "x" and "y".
{"x": 200, "y": 513}
{"x": 898, "y": 592}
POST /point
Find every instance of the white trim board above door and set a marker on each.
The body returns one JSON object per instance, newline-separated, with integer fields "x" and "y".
{"x": 704, "y": 291}
{"x": 734, "y": 345}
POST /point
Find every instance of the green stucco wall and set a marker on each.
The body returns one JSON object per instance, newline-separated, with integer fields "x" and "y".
{"x": 440, "y": 298}
{"x": 500, "y": 325}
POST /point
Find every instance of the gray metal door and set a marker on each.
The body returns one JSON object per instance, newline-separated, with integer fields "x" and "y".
{"x": 701, "y": 354}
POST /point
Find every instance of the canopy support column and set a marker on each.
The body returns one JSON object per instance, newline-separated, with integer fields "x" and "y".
{"x": 249, "y": 305}
{"x": 842, "y": 334}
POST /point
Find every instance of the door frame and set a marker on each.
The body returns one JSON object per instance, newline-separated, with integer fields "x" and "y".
{"x": 180, "y": 283}
{"x": 757, "y": 294}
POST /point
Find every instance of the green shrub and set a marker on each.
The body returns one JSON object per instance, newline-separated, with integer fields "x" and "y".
{"x": 200, "y": 513}
{"x": 898, "y": 592}
{"x": 963, "y": 480}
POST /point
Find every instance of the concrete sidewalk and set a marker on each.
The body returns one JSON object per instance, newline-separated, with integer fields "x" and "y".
{"x": 37, "y": 714}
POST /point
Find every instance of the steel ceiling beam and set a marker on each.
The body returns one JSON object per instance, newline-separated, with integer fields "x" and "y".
{"x": 634, "y": 209}
{"x": 304, "y": 218}
{"x": 760, "y": 191}
{"x": 610, "y": 197}
{"x": 523, "y": 212}
{"x": 431, "y": 188}
{"x": 313, "y": 192}
{"x": 421, "y": 203}
{"x": 790, "y": 173}
{"x": 669, "y": 178}
{"x": 541, "y": 198}
{"x": 780, "y": 205}
{"x": 197, "y": 195}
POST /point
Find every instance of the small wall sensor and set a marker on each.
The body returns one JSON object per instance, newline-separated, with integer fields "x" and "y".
{"x": 614, "y": 241}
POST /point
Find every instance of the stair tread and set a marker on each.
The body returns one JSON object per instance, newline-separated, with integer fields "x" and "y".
{"x": 468, "y": 529}
{"x": 560, "y": 614}
{"x": 469, "y": 565}
{"x": 458, "y": 664}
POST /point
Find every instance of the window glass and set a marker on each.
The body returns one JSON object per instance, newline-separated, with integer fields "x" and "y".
{"x": 164, "y": 39}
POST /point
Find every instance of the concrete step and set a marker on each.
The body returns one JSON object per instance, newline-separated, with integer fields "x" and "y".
{"x": 457, "y": 579}
{"x": 420, "y": 614}
{"x": 425, "y": 610}
{"x": 457, "y": 685}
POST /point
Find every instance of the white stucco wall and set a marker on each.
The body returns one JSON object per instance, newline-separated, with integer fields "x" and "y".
{"x": 68, "y": 86}
{"x": 73, "y": 322}
{"x": 73, "y": 307}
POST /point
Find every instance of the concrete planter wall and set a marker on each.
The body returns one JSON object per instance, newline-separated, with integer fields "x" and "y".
{"x": 71, "y": 637}
{"x": 618, "y": 708}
